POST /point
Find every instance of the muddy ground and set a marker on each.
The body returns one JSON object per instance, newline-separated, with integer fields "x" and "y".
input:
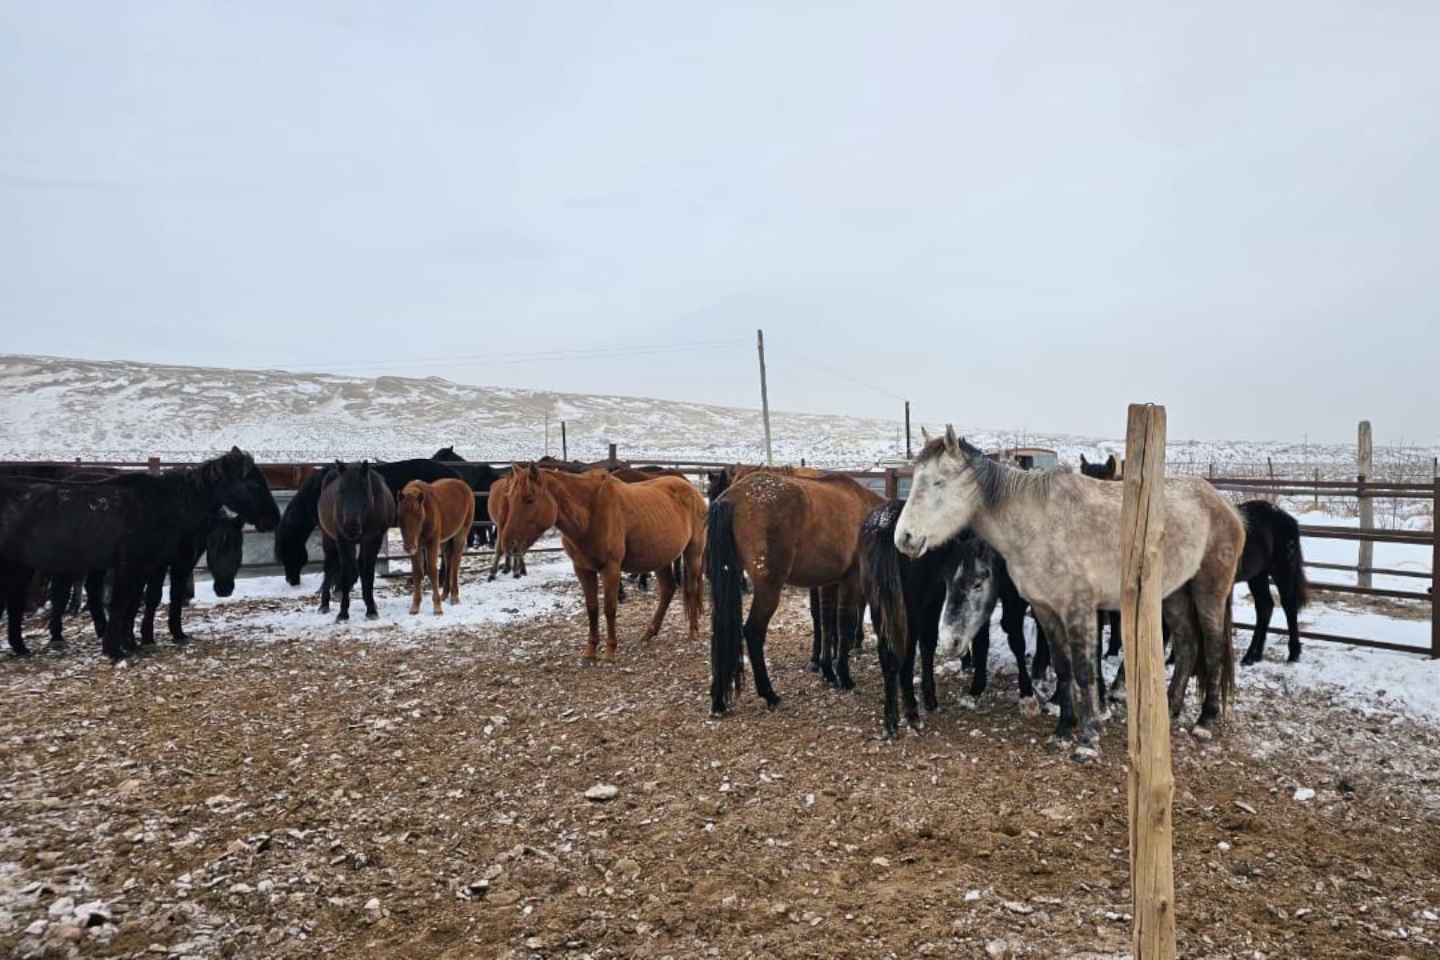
{"x": 262, "y": 796}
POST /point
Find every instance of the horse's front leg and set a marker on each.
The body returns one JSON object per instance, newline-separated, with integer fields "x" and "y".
{"x": 890, "y": 670}
{"x": 16, "y": 583}
{"x": 929, "y": 639}
{"x": 177, "y": 602}
{"x": 590, "y": 586}
{"x": 347, "y": 578}
{"x": 60, "y": 591}
{"x": 848, "y": 607}
{"x": 1084, "y": 651}
{"x": 817, "y": 628}
{"x": 368, "y": 552}
{"x": 432, "y": 561}
{"x": 610, "y": 579}
{"x": 1064, "y": 677}
{"x": 417, "y": 577}
{"x": 980, "y": 662}
{"x": 332, "y": 572}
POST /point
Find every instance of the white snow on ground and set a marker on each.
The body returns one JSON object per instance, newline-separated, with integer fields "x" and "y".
{"x": 505, "y": 601}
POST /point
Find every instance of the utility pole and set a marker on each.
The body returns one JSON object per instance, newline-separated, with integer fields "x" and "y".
{"x": 908, "y": 455}
{"x": 764, "y": 396}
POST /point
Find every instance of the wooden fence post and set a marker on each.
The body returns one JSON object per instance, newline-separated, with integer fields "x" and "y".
{"x": 1151, "y": 779}
{"x": 1317, "y": 486}
{"x": 1435, "y": 572}
{"x": 1365, "y": 461}
{"x": 613, "y": 459}
{"x": 153, "y": 465}
{"x": 892, "y": 485}
{"x": 564, "y": 445}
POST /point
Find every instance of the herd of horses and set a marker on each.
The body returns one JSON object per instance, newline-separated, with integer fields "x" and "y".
{"x": 974, "y": 534}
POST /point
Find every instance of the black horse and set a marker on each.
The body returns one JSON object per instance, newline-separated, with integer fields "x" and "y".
{"x": 1272, "y": 552}
{"x": 135, "y": 525}
{"x": 300, "y": 518}
{"x": 356, "y": 510}
{"x": 480, "y": 476}
{"x": 1109, "y": 470}
{"x": 223, "y": 548}
{"x": 907, "y": 596}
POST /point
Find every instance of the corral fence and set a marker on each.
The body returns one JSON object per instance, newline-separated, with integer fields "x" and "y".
{"x": 892, "y": 482}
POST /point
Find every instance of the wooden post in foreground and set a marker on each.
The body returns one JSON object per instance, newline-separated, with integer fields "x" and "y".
{"x": 1151, "y": 780}
{"x": 1365, "y": 467}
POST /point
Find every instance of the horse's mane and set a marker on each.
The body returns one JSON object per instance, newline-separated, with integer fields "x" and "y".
{"x": 997, "y": 481}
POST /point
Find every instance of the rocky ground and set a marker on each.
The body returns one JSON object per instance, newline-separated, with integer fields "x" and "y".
{"x": 483, "y": 794}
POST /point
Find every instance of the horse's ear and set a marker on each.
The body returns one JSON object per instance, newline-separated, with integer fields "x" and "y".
{"x": 339, "y": 466}
{"x": 365, "y": 467}
{"x": 1083, "y": 462}
{"x": 924, "y": 435}
{"x": 534, "y": 472}
{"x": 1110, "y": 464}
{"x": 952, "y": 445}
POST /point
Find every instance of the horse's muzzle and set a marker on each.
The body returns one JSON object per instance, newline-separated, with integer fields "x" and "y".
{"x": 909, "y": 544}
{"x": 223, "y": 589}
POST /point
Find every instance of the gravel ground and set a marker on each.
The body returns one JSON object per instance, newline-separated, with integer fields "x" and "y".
{"x": 270, "y": 794}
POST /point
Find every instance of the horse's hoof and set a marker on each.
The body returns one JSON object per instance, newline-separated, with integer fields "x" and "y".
{"x": 772, "y": 702}
{"x": 415, "y": 610}
{"x": 1050, "y": 709}
{"x": 1054, "y": 745}
{"x": 342, "y": 618}
{"x": 1084, "y": 754}
{"x": 607, "y": 655}
{"x": 1293, "y": 658}
{"x": 1203, "y": 734}
{"x": 915, "y": 724}
{"x": 372, "y": 614}
{"x": 438, "y": 612}
{"x": 846, "y": 683}
{"x": 1248, "y": 660}
{"x": 1029, "y": 706}
{"x": 814, "y": 667}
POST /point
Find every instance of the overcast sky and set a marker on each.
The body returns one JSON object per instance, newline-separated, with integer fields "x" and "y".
{"x": 1017, "y": 219}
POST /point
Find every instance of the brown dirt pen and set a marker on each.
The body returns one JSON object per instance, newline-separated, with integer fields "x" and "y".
{"x": 299, "y": 798}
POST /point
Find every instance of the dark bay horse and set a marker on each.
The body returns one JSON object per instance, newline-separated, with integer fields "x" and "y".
{"x": 608, "y": 526}
{"x": 1272, "y": 552}
{"x": 356, "y": 510}
{"x": 137, "y": 525}
{"x": 783, "y": 530}
{"x": 300, "y": 517}
{"x": 434, "y": 517}
{"x": 718, "y": 481}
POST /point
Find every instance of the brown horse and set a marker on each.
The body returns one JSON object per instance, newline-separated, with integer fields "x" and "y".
{"x": 506, "y": 544}
{"x": 719, "y": 482}
{"x": 435, "y": 517}
{"x": 608, "y": 526}
{"x": 783, "y": 530}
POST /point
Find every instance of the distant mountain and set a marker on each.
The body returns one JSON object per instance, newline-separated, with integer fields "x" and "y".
{"x": 52, "y": 407}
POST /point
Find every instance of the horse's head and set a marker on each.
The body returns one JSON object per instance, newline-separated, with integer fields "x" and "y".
{"x": 240, "y": 485}
{"x": 224, "y": 548}
{"x": 356, "y": 498}
{"x": 969, "y": 594}
{"x": 410, "y": 515}
{"x": 716, "y": 482}
{"x": 532, "y": 507}
{"x": 944, "y": 494}
{"x": 1100, "y": 471}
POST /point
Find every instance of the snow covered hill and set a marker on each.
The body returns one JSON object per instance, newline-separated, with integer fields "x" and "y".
{"x": 62, "y": 408}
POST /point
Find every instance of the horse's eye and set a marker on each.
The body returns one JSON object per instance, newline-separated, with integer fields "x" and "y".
{"x": 528, "y": 499}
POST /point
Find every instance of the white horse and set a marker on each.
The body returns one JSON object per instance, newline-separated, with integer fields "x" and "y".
{"x": 1060, "y": 536}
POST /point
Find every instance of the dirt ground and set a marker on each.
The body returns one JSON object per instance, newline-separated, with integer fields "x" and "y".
{"x": 249, "y": 796}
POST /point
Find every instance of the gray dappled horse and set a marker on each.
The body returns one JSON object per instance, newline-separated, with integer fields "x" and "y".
{"x": 1060, "y": 535}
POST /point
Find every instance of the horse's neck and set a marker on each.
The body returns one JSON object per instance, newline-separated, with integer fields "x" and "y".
{"x": 197, "y": 501}
{"x": 998, "y": 525}
{"x": 573, "y": 495}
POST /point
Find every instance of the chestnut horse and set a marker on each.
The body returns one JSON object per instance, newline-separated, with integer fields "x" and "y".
{"x": 783, "y": 530}
{"x": 608, "y": 526}
{"x": 498, "y": 504}
{"x": 433, "y": 517}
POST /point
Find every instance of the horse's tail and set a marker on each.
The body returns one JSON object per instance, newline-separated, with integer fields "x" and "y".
{"x": 727, "y": 676}
{"x": 1227, "y": 654}
{"x": 1289, "y": 564}
{"x": 884, "y": 586}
